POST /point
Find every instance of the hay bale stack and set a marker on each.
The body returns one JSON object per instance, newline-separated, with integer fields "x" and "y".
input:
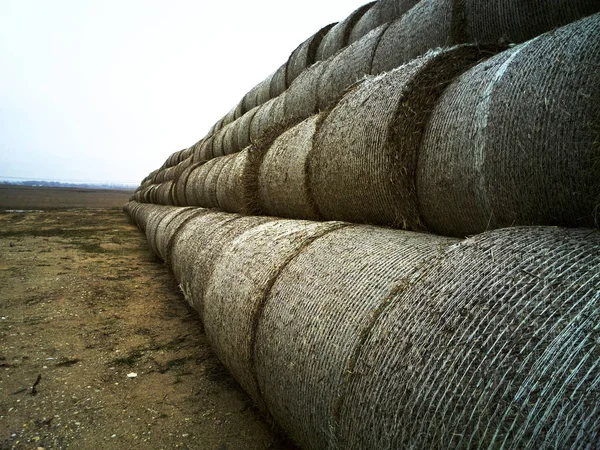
{"x": 337, "y": 37}
{"x": 258, "y": 95}
{"x": 240, "y": 282}
{"x": 305, "y": 54}
{"x": 268, "y": 121}
{"x": 239, "y": 193}
{"x": 243, "y": 129}
{"x": 283, "y": 174}
{"x": 347, "y": 67}
{"x": 199, "y": 244}
{"x": 317, "y": 313}
{"x": 195, "y": 192}
{"x": 300, "y": 101}
{"x": 495, "y": 346}
{"x": 362, "y": 167}
{"x": 147, "y": 214}
{"x": 384, "y": 11}
{"x": 179, "y": 192}
{"x": 517, "y": 21}
{"x": 180, "y": 167}
{"x": 278, "y": 82}
{"x": 514, "y": 141}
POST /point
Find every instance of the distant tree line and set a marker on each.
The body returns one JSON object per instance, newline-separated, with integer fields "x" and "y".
{"x": 68, "y": 185}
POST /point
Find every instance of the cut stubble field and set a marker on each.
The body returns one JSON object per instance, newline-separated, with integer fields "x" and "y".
{"x": 98, "y": 348}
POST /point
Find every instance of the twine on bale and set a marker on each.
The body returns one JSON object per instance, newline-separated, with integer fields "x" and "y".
{"x": 315, "y": 316}
{"x": 304, "y": 55}
{"x": 169, "y": 226}
{"x": 363, "y": 162}
{"x": 239, "y": 284}
{"x": 383, "y": 11}
{"x": 153, "y": 229}
{"x": 513, "y": 140}
{"x": 210, "y": 183}
{"x": 346, "y": 68}
{"x": 223, "y": 180}
{"x": 337, "y": 37}
{"x": 494, "y": 346}
{"x": 282, "y": 177}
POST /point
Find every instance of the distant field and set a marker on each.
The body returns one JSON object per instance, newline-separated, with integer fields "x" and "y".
{"x": 30, "y": 197}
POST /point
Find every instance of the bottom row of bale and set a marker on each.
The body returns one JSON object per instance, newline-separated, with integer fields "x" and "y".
{"x": 360, "y": 337}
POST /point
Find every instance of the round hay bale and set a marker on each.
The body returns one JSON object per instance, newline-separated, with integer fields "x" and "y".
{"x": 237, "y": 289}
{"x": 238, "y": 111}
{"x": 210, "y": 183}
{"x": 305, "y": 54}
{"x": 362, "y": 167}
{"x": 239, "y": 194}
{"x": 154, "y": 221}
{"x": 230, "y": 138}
{"x": 199, "y": 244}
{"x": 190, "y": 241}
{"x": 309, "y": 330}
{"x": 169, "y": 226}
{"x": 153, "y": 193}
{"x": 223, "y": 180}
{"x": 278, "y": 82}
{"x": 384, "y": 11}
{"x": 494, "y": 346}
{"x": 217, "y": 143}
{"x": 149, "y": 218}
{"x": 180, "y": 167}
{"x": 164, "y": 193}
{"x": 173, "y": 228}
{"x": 243, "y": 129}
{"x": 282, "y": 177}
{"x": 517, "y": 21}
{"x": 145, "y": 213}
{"x": 346, "y": 68}
{"x": 268, "y": 121}
{"x": 205, "y": 151}
{"x": 300, "y": 99}
{"x": 258, "y": 95}
{"x": 195, "y": 191}
{"x": 179, "y": 192}
{"x": 426, "y": 26}
{"x": 196, "y": 151}
{"x": 338, "y": 35}
{"x": 229, "y": 117}
{"x": 513, "y": 141}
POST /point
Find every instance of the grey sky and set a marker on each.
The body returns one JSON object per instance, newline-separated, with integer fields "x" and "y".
{"x": 106, "y": 90}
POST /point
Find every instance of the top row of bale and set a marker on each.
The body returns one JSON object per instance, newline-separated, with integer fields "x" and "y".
{"x": 375, "y": 38}
{"x": 454, "y": 142}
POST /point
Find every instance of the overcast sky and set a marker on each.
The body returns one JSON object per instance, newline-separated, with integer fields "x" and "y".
{"x": 103, "y": 90}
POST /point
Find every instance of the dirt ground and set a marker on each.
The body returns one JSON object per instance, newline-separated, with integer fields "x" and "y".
{"x": 98, "y": 348}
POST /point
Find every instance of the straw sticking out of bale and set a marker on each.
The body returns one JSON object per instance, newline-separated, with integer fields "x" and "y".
{"x": 362, "y": 167}
{"x": 492, "y": 347}
{"x": 239, "y": 285}
{"x": 337, "y": 37}
{"x": 347, "y": 67}
{"x": 384, "y": 11}
{"x": 282, "y": 178}
{"x": 513, "y": 140}
{"x": 316, "y": 313}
